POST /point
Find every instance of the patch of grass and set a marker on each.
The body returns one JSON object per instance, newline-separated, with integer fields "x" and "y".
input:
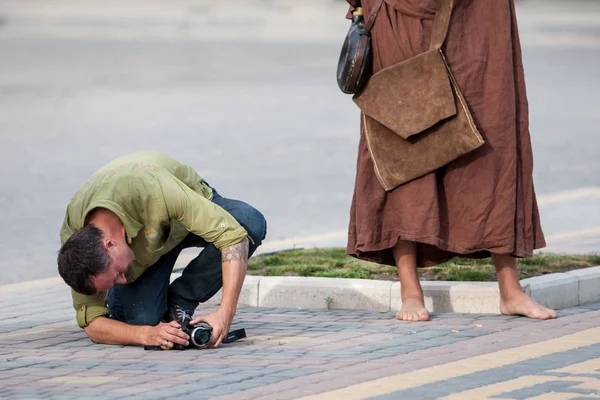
{"x": 275, "y": 260}
{"x": 594, "y": 258}
{"x": 356, "y": 272}
{"x": 329, "y": 301}
{"x": 466, "y": 274}
{"x": 459, "y": 271}
{"x": 334, "y": 263}
{"x": 299, "y": 270}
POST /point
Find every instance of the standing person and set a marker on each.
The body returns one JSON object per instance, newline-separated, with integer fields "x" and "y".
{"x": 480, "y": 205}
{"x": 121, "y": 237}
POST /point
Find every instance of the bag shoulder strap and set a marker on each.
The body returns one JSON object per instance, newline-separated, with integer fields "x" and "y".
{"x": 440, "y": 23}
{"x": 373, "y": 15}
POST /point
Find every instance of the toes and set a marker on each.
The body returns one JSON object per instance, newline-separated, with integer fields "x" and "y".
{"x": 412, "y": 316}
{"x": 544, "y": 313}
{"x": 405, "y": 316}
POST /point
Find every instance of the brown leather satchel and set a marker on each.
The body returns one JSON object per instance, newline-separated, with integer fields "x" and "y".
{"x": 415, "y": 117}
{"x": 356, "y": 59}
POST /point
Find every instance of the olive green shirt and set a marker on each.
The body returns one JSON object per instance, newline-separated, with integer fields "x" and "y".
{"x": 159, "y": 201}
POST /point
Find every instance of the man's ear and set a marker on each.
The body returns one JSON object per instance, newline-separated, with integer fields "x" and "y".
{"x": 109, "y": 244}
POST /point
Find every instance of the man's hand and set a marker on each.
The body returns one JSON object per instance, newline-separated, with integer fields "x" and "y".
{"x": 220, "y": 321}
{"x": 165, "y": 335}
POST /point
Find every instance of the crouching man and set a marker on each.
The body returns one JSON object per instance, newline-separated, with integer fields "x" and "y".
{"x": 121, "y": 237}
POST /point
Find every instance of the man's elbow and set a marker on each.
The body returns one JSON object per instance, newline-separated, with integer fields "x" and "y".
{"x": 92, "y": 332}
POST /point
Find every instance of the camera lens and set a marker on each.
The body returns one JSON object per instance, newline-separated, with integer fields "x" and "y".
{"x": 200, "y": 336}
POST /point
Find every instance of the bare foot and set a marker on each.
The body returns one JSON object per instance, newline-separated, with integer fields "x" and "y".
{"x": 413, "y": 309}
{"x": 521, "y": 304}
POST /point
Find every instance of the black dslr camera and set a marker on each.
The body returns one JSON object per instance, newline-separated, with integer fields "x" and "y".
{"x": 200, "y": 335}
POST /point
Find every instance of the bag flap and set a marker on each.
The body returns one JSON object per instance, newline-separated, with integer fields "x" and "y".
{"x": 411, "y": 96}
{"x": 397, "y": 160}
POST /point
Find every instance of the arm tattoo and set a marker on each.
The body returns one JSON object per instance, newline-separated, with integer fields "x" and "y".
{"x": 237, "y": 252}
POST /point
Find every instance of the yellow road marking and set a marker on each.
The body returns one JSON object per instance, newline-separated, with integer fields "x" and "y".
{"x": 531, "y": 39}
{"x": 574, "y": 234}
{"x": 586, "y": 367}
{"x": 489, "y": 391}
{"x": 568, "y": 196}
{"x": 463, "y": 367}
{"x": 587, "y": 383}
{"x": 500, "y": 387}
{"x": 552, "y": 396}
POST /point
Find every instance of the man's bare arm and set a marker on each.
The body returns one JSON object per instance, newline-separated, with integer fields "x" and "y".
{"x": 235, "y": 262}
{"x": 236, "y": 252}
{"x": 108, "y": 331}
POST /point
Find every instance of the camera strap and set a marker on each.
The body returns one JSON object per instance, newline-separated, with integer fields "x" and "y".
{"x": 234, "y": 335}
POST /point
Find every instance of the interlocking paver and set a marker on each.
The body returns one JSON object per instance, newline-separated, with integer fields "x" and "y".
{"x": 288, "y": 354}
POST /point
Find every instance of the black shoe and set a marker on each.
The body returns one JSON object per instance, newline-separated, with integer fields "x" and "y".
{"x": 175, "y": 312}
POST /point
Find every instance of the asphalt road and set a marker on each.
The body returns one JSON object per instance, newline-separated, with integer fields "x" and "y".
{"x": 254, "y": 108}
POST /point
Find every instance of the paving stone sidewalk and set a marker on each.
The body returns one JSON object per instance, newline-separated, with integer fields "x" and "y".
{"x": 293, "y": 353}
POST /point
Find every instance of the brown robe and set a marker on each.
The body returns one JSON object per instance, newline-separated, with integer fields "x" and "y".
{"x": 483, "y": 202}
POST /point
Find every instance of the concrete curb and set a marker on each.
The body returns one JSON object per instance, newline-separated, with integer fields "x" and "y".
{"x": 557, "y": 291}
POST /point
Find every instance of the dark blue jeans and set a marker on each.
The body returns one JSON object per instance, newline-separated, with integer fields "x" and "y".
{"x": 144, "y": 301}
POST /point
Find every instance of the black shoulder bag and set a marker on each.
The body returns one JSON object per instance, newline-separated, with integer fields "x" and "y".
{"x": 356, "y": 58}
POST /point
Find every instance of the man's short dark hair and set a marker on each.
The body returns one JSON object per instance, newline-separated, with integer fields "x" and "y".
{"x": 83, "y": 257}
